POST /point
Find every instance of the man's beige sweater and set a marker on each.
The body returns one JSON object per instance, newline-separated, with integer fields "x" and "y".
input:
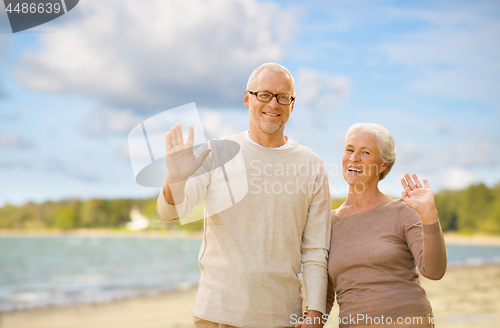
{"x": 373, "y": 260}
{"x": 252, "y": 252}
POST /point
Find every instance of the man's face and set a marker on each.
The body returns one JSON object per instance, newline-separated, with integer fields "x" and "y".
{"x": 269, "y": 117}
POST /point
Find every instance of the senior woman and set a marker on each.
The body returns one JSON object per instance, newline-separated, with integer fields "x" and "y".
{"x": 377, "y": 242}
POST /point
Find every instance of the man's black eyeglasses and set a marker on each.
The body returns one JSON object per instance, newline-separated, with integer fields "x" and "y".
{"x": 265, "y": 96}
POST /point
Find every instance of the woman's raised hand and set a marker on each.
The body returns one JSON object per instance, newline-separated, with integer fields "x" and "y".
{"x": 420, "y": 198}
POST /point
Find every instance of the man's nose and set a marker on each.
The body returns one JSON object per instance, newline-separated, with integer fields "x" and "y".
{"x": 273, "y": 103}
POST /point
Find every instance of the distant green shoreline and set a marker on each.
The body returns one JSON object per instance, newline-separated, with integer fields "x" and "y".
{"x": 100, "y": 233}
{"x": 473, "y": 210}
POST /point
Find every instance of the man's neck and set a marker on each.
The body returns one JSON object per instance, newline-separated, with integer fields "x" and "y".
{"x": 267, "y": 139}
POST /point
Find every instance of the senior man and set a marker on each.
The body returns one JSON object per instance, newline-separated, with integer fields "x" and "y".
{"x": 253, "y": 251}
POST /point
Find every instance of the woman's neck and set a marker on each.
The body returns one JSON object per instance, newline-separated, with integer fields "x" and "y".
{"x": 367, "y": 198}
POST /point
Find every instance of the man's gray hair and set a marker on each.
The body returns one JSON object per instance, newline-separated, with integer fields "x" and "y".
{"x": 385, "y": 143}
{"x": 272, "y": 67}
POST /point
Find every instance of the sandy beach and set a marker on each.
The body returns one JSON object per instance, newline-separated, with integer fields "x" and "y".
{"x": 166, "y": 311}
{"x": 469, "y": 291}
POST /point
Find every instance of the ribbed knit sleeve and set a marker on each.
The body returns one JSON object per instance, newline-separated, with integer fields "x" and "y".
{"x": 426, "y": 243}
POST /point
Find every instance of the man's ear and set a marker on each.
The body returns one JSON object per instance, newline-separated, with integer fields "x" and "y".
{"x": 293, "y": 104}
{"x": 246, "y": 100}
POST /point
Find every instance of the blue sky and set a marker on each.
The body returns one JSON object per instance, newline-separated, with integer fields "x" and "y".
{"x": 72, "y": 89}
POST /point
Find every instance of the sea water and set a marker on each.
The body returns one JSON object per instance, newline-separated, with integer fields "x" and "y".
{"x": 46, "y": 271}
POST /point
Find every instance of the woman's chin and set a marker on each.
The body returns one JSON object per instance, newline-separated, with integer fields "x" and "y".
{"x": 353, "y": 181}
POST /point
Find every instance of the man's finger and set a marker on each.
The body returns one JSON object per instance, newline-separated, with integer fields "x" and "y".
{"x": 168, "y": 142}
{"x": 202, "y": 156}
{"x": 190, "y": 139}
{"x": 180, "y": 139}
{"x": 173, "y": 134}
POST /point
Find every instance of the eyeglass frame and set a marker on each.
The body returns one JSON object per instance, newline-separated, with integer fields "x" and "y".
{"x": 274, "y": 95}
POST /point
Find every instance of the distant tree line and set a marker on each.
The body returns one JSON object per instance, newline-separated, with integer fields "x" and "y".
{"x": 474, "y": 209}
{"x": 93, "y": 213}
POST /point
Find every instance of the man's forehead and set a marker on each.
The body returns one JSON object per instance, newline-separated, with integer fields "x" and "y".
{"x": 273, "y": 79}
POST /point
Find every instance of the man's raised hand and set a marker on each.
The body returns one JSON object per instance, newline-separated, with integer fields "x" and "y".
{"x": 180, "y": 159}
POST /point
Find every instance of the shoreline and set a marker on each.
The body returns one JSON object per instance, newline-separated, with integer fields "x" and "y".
{"x": 448, "y": 296}
{"x": 101, "y": 233}
{"x": 139, "y": 297}
{"x": 451, "y": 238}
{"x": 179, "y": 291}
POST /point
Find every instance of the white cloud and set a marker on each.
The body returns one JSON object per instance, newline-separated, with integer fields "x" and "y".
{"x": 475, "y": 154}
{"x": 111, "y": 121}
{"x": 457, "y": 178}
{"x": 215, "y": 125}
{"x": 321, "y": 91}
{"x": 10, "y": 140}
{"x": 409, "y": 152}
{"x": 472, "y": 154}
{"x": 158, "y": 53}
{"x": 455, "y": 51}
{"x": 69, "y": 168}
{"x": 14, "y": 140}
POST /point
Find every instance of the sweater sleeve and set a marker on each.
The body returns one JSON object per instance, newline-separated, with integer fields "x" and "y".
{"x": 426, "y": 244}
{"x": 330, "y": 296}
{"x": 315, "y": 244}
{"x": 194, "y": 191}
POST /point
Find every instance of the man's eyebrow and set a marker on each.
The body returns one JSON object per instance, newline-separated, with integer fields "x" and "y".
{"x": 279, "y": 93}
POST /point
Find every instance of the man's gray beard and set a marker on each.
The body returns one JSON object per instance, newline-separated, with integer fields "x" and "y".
{"x": 270, "y": 128}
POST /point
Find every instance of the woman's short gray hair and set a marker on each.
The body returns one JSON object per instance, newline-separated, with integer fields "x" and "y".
{"x": 272, "y": 67}
{"x": 385, "y": 143}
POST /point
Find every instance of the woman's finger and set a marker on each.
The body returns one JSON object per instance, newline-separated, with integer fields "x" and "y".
{"x": 427, "y": 185}
{"x": 417, "y": 182}
{"x": 410, "y": 181}
{"x": 405, "y": 185}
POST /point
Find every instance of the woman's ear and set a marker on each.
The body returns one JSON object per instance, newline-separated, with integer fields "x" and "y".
{"x": 383, "y": 168}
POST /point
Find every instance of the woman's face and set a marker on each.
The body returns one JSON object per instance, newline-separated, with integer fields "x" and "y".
{"x": 361, "y": 162}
